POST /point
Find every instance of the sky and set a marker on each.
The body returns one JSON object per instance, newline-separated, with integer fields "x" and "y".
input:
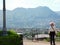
{"x": 12, "y": 4}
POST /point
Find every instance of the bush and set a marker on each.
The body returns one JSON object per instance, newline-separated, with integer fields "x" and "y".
{"x": 58, "y": 34}
{"x": 47, "y": 39}
{"x": 58, "y": 37}
{"x": 11, "y": 39}
{"x": 11, "y": 32}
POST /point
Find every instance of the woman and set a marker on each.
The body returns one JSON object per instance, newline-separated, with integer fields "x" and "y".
{"x": 52, "y": 33}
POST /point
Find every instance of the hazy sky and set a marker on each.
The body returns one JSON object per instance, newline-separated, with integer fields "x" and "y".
{"x": 12, "y": 4}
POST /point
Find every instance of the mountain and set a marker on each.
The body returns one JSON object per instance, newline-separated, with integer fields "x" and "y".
{"x": 38, "y": 17}
{"x": 58, "y": 12}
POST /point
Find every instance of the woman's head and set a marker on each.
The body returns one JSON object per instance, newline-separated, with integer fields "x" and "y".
{"x": 52, "y": 23}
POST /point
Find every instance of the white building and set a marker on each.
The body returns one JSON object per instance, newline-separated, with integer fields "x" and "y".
{"x": 41, "y": 36}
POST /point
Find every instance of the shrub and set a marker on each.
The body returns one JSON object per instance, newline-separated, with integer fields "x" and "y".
{"x": 58, "y": 34}
{"x": 11, "y": 39}
{"x": 47, "y": 39}
{"x": 11, "y": 32}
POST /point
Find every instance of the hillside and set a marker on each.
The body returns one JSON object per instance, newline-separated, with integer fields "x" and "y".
{"x": 38, "y": 17}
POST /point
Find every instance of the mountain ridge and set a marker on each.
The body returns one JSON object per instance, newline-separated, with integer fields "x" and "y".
{"x": 38, "y": 17}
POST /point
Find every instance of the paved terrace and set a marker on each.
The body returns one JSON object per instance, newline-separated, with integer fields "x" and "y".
{"x": 29, "y": 42}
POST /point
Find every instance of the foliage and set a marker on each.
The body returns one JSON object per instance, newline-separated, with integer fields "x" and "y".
{"x": 11, "y": 32}
{"x": 11, "y": 39}
{"x": 47, "y": 39}
{"x": 58, "y": 34}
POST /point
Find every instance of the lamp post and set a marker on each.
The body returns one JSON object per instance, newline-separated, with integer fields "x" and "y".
{"x": 4, "y": 19}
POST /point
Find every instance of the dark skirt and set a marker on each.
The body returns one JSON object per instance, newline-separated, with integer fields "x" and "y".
{"x": 52, "y": 33}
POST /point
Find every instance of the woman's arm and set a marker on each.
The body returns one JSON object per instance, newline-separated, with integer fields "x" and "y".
{"x": 49, "y": 31}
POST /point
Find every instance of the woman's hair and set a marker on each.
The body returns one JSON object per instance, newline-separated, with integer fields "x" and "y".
{"x": 52, "y": 23}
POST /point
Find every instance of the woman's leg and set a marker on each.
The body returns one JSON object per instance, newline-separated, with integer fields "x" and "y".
{"x": 50, "y": 40}
{"x": 53, "y": 40}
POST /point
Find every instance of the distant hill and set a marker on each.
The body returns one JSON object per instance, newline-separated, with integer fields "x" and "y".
{"x": 38, "y": 17}
{"x": 58, "y": 12}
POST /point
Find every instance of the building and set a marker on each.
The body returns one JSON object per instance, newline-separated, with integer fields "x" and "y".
{"x": 41, "y": 36}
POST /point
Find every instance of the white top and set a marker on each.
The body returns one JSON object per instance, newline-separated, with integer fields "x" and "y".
{"x": 52, "y": 29}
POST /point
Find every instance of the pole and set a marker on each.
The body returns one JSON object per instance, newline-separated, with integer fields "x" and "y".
{"x": 4, "y": 18}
